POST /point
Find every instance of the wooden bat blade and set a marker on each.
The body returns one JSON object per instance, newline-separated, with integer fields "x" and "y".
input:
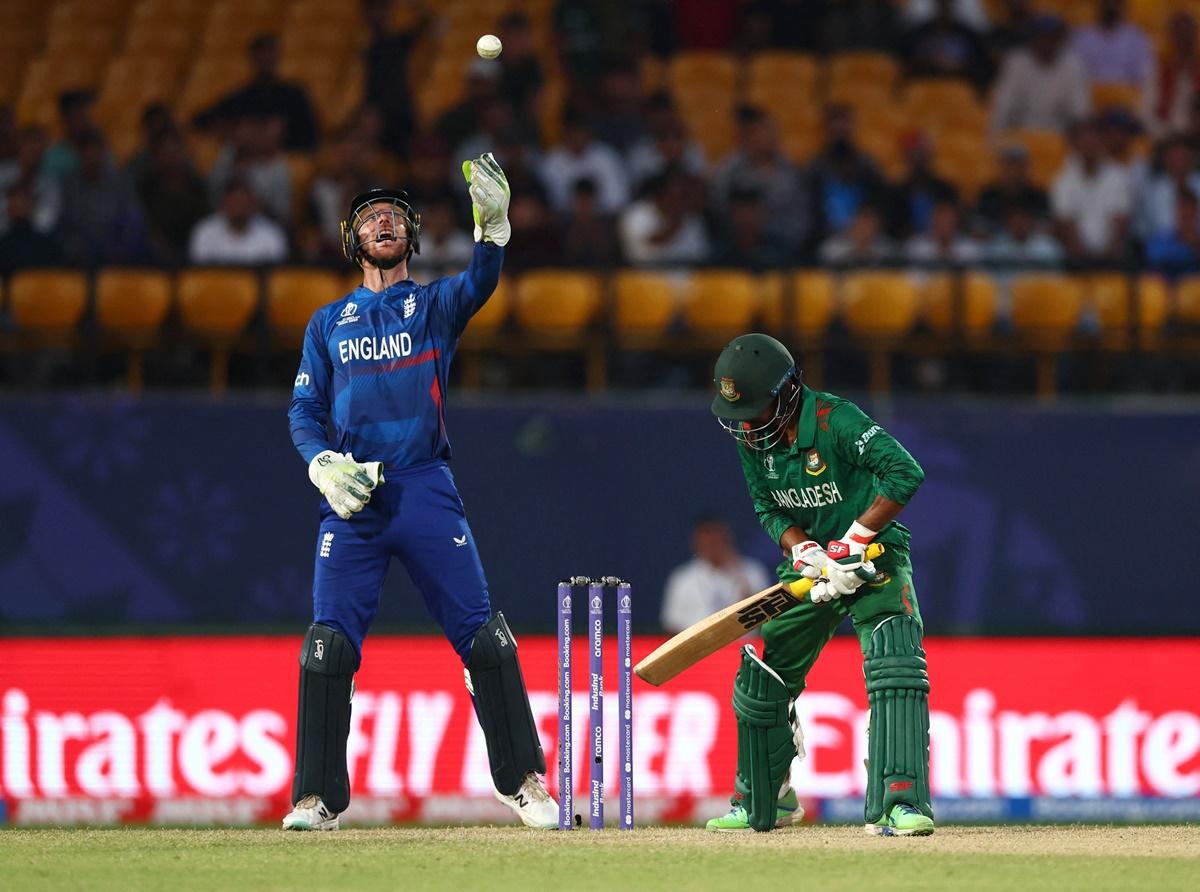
{"x": 713, "y": 632}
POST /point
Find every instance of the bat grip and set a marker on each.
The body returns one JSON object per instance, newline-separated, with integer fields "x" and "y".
{"x": 800, "y": 587}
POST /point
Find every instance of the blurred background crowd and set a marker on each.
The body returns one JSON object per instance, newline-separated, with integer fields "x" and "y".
{"x": 1035, "y": 160}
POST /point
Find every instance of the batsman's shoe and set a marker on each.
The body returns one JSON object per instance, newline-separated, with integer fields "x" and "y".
{"x": 902, "y": 820}
{"x": 310, "y": 813}
{"x": 533, "y": 805}
{"x": 788, "y": 811}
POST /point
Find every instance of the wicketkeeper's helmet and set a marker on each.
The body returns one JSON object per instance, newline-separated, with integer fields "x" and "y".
{"x": 398, "y": 199}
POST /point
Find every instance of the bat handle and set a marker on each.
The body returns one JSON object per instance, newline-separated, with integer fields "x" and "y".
{"x": 801, "y": 587}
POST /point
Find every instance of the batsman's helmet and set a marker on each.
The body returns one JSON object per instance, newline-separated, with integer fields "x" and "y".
{"x": 398, "y": 198}
{"x": 754, "y": 372}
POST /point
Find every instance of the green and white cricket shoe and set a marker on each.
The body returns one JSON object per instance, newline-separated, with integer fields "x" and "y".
{"x": 310, "y": 813}
{"x": 902, "y": 820}
{"x": 788, "y": 811}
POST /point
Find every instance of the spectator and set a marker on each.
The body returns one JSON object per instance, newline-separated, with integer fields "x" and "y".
{"x": 1012, "y": 187}
{"x": 444, "y": 244}
{"x": 521, "y": 76}
{"x": 1119, "y": 131}
{"x": 971, "y": 13}
{"x": 1091, "y": 200}
{"x": 911, "y": 203}
{"x": 662, "y": 228}
{"x": 590, "y": 235}
{"x": 536, "y": 236}
{"x": 1011, "y": 31}
{"x": 429, "y": 170}
{"x": 174, "y": 197}
{"x": 10, "y": 142}
{"x": 714, "y": 578}
{"x": 460, "y": 122}
{"x": 1044, "y": 87}
{"x": 760, "y": 166}
{"x": 255, "y": 154}
{"x": 849, "y": 25}
{"x": 1114, "y": 51}
{"x": 498, "y": 125}
{"x": 665, "y": 144}
{"x": 1156, "y": 207}
{"x": 157, "y": 123}
{"x": 104, "y": 222}
{"x": 944, "y": 243}
{"x": 745, "y": 241}
{"x": 943, "y": 47}
{"x": 1171, "y": 91}
{"x": 1176, "y": 250}
{"x": 76, "y": 116}
{"x": 347, "y": 172}
{"x": 842, "y": 178}
{"x": 47, "y": 192}
{"x": 579, "y": 155}
{"x": 22, "y": 245}
{"x": 1022, "y": 240}
{"x": 237, "y": 233}
{"x": 861, "y": 243}
{"x": 266, "y": 96}
{"x": 620, "y": 120}
{"x": 386, "y": 60}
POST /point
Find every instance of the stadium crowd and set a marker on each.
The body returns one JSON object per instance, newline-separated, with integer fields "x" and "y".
{"x": 625, "y": 183}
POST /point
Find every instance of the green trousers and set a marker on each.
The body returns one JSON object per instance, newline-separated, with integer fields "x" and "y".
{"x": 793, "y": 640}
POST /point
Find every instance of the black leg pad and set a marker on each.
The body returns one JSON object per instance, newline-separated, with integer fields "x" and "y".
{"x": 328, "y": 662}
{"x": 502, "y": 705}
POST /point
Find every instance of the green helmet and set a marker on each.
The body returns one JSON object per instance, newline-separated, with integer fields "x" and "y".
{"x": 753, "y": 373}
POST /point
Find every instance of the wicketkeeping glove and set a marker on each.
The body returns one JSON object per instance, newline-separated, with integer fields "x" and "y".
{"x": 488, "y": 187}
{"x": 345, "y": 483}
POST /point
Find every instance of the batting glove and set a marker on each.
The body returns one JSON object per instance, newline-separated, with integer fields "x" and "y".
{"x": 345, "y": 483}
{"x": 488, "y": 187}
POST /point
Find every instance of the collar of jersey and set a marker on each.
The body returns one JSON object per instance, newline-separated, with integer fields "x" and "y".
{"x": 388, "y": 288}
{"x": 806, "y": 430}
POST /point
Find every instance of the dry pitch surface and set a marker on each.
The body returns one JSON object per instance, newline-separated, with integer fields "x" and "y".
{"x": 817, "y": 858}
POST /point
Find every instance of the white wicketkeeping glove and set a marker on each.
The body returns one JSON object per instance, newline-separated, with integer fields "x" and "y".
{"x": 489, "y": 199}
{"x": 345, "y": 483}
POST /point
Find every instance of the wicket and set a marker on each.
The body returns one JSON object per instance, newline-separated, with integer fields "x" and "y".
{"x": 566, "y": 780}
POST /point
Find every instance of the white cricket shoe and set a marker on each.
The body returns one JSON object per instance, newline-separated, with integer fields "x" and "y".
{"x": 534, "y": 806}
{"x": 310, "y": 813}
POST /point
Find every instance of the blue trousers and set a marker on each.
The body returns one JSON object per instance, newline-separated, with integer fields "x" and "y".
{"x": 416, "y": 515}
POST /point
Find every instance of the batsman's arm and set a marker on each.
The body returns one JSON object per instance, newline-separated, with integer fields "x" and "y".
{"x": 775, "y": 522}
{"x": 309, "y": 409}
{"x": 865, "y": 443}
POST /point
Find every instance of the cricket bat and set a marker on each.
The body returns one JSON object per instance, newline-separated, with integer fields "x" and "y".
{"x": 726, "y": 626}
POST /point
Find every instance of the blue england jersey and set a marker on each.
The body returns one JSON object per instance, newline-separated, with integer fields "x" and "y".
{"x": 372, "y": 378}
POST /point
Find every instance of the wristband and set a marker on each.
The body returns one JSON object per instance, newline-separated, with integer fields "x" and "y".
{"x": 860, "y": 534}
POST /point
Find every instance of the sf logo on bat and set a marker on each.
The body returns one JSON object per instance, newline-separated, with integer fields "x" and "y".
{"x": 756, "y": 614}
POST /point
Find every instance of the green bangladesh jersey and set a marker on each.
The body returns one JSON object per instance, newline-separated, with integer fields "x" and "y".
{"x": 840, "y": 462}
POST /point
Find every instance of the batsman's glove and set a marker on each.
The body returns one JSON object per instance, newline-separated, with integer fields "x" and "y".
{"x": 345, "y": 483}
{"x": 488, "y": 187}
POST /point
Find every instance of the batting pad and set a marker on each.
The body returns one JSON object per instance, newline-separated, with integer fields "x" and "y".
{"x": 766, "y": 745}
{"x": 898, "y": 694}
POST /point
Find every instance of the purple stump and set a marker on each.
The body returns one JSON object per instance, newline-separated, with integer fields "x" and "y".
{"x": 625, "y": 700}
{"x": 566, "y": 788}
{"x": 596, "y": 705}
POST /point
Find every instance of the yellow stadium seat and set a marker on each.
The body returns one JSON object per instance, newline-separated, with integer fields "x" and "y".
{"x": 319, "y": 41}
{"x": 721, "y": 302}
{"x": 776, "y": 80}
{"x": 293, "y": 295}
{"x": 1047, "y": 152}
{"x": 557, "y": 303}
{"x": 92, "y": 41}
{"x": 1187, "y": 300}
{"x": 1106, "y": 96}
{"x": 800, "y": 135}
{"x": 211, "y": 78}
{"x": 713, "y": 127}
{"x": 147, "y": 38}
{"x": 495, "y": 312}
{"x": 879, "y": 309}
{"x": 1153, "y": 303}
{"x": 940, "y": 94}
{"x": 653, "y": 72}
{"x": 47, "y": 302}
{"x": 46, "y": 78}
{"x": 644, "y": 303}
{"x": 169, "y": 12}
{"x": 863, "y": 68}
{"x": 216, "y": 305}
{"x": 1111, "y": 296}
{"x": 12, "y": 73}
{"x": 484, "y": 334}
{"x": 693, "y": 72}
{"x": 1046, "y": 304}
{"x": 966, "y": 303}
{"x": 131, "y": 307}
{"x": 307, "y": 13}
{"x": 861, "y": 96}
{"x": 132, "y": 83}
{"x": 815, "y": 302}
{"x": 232, "y": 24}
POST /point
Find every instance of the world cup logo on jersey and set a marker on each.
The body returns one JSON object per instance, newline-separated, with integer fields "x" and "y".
{"x": 729, "y": 390}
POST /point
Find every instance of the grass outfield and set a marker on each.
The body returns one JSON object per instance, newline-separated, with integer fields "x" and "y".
{"x": 824, "y": 858}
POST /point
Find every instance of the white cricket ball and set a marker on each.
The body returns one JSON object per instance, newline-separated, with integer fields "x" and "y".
{"x": 489, "y": 46}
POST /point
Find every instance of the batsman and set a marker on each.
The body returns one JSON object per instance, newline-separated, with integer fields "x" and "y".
{"x": 820, "y": 471}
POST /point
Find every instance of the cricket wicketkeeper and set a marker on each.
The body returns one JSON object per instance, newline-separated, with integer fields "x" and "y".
{"x": 369, "y": 401}
{"x": 821, "y": 471}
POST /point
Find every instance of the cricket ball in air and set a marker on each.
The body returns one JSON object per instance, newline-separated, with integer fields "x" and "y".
{"x": 489, "y": 46}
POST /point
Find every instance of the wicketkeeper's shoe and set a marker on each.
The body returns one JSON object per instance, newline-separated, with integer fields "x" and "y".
{"x": 902, "y": 820}
{"x": 310, "y": 813}
{"x": 533, "y": 805}
{"x": 787, "y": 811}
